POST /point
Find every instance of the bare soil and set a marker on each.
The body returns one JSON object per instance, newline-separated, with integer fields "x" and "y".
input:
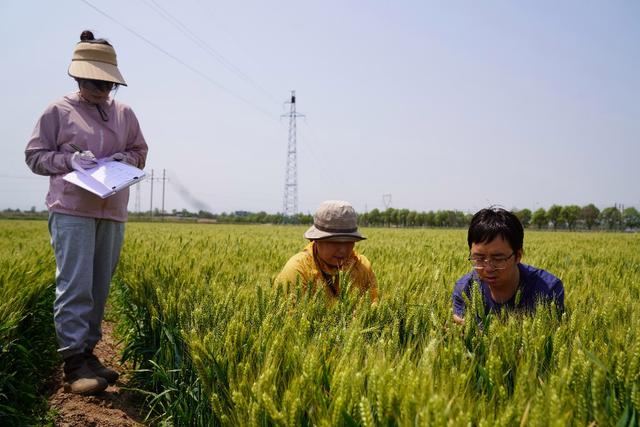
{"x": 115, "y": 407}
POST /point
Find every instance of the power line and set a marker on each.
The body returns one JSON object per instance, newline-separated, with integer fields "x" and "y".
{"x": 153, "y": 4}
{"x": 221, "y": 26}
{"x": 21, "y": 190}
{"x": 180, "y": 61}
{"x": 21, "y": 177}
{"x": 319, "y": 159}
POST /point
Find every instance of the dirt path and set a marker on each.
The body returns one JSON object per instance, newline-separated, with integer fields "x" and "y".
{"x": 113, "y": 407}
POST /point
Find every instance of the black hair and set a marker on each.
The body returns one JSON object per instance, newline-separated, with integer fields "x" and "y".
{"x": 489, "y": 223}
{"x": 88, "y": 37}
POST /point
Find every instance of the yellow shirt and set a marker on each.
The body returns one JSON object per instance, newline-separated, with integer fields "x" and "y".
{"x": 308, "y": 268}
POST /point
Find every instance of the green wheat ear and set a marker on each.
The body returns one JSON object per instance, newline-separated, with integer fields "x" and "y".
{"x": 477, "y": 303}
{"x": 518, "y": 297}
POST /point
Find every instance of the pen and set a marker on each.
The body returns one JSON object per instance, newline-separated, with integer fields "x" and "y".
{"x": 75, "y": 147}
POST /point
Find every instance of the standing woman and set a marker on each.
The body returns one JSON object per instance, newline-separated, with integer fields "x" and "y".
{"x": 86, "y": 231}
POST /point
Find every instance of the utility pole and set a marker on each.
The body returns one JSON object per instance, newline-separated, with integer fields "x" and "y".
{"x": 137, "y": 199}
{"x": 152, "y": 179}
{"x": 290, "y": 199}
{"x": 164, "y": 178}
{"x": 151, "y": 202}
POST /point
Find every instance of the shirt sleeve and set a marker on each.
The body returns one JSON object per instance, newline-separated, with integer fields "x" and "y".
{"x": 292, "y": 272}
{"x": 459, "y": 305}
{"x": 42, "y": 154}
{"x": 557, "y": 295}
{"x": 136, "y": 151}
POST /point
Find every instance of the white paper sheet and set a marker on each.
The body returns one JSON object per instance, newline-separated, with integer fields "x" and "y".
{"x": 106, "y": 178}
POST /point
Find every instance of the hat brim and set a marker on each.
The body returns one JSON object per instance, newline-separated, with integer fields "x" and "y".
{"x": 314, "y": 234}
{"x": 96, "y": 70}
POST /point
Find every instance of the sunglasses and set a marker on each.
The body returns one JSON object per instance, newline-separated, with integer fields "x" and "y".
{"x": 101, "y": 85}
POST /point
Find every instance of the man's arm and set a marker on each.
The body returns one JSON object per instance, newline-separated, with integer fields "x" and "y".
{"x": 459, "y": 305}
{"x": 457, "y": 319}
{"x": 557, "y": 295}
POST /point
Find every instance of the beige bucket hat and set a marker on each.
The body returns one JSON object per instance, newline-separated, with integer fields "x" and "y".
{"x": 95, "y": 61}
{"x": 335, "y": 220}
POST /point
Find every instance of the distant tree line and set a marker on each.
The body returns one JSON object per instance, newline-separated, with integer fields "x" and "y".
{"x": 573, "y": 217}
{"x": 391, "y": 217}
{"x": 570, "y": 217}
{"x": 237, "y": 217}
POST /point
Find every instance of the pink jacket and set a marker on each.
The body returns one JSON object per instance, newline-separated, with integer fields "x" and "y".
{"x": 72, "y": 120}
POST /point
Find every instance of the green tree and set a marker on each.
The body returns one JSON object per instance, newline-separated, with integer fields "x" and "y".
{"x": 375, "y": 217}
{"x": 611, "y": 217}
{"x": 394, "y": 217}
{"x": 441, "y": 219}
{"x": 570, "y": 215}
{"x": 553, "y": 215}
{"x": 302, "y": 218}
{"x": 412, "y": 219}
{"x": 467, "y": 219}
{"x": 386, "y": 216}
{"x": 205, "y": 214}
{"x": 524, "y": 215}
{"x": 261, "y": 217}
{"x": 460, "y": 219}
{"x": 590, "y": 214}
{"x": 403, "y": 216}
{"x": 363, "y": 219}
{"x": 430, "y": 219}
{"x": 631, "y": 217}
{"x": 539, "y": 218}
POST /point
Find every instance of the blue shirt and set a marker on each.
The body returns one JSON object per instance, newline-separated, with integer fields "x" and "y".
{"x": 535, "y": 286}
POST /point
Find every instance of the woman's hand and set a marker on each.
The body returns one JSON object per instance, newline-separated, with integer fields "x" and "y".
{"x": 117, "y": 157}
{"x": 83, "y": 160}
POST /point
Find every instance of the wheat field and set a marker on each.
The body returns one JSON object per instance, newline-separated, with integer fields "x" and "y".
{"x": 213, "y": 341}
{"x": 218, "y": 343}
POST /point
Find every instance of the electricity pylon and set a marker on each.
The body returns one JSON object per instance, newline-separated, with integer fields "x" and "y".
{"x": 290, "y": 200}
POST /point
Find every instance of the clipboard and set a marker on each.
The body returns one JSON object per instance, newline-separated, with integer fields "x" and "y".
{"x": 107, "y": 178}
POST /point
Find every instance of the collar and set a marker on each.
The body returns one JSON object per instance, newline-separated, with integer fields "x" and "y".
{"x": 323, "y": 267}
{"x": 76, "y": 98}
{"x": 486, "y": 291}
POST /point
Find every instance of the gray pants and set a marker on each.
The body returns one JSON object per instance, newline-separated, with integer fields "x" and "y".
{"x": 87, "y": 252}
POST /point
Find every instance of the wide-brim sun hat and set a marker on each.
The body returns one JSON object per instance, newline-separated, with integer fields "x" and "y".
{"x": 95, "y": 61}
{"x": 335, "y": 220}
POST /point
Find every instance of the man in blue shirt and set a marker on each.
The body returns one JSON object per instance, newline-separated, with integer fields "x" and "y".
{"x": 495, "y": 240}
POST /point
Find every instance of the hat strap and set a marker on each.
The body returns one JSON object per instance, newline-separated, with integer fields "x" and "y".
{"x": 335, "y": 230}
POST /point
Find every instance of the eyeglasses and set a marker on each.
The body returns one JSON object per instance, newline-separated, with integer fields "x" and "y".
{"x": 496, "y": 263}
{"x": 101, "y": 85}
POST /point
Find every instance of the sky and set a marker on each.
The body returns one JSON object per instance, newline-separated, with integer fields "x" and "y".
{"x": 443, "y": 105}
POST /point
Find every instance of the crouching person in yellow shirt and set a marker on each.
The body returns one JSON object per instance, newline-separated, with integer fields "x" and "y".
{"x": 330, "y": 254}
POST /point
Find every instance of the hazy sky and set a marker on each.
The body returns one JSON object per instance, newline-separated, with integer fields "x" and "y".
{"x": 443, "y": 105}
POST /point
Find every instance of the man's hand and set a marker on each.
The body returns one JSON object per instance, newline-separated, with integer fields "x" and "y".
{"x": 83, "y": 160}
{"x": 459, "y": 320}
